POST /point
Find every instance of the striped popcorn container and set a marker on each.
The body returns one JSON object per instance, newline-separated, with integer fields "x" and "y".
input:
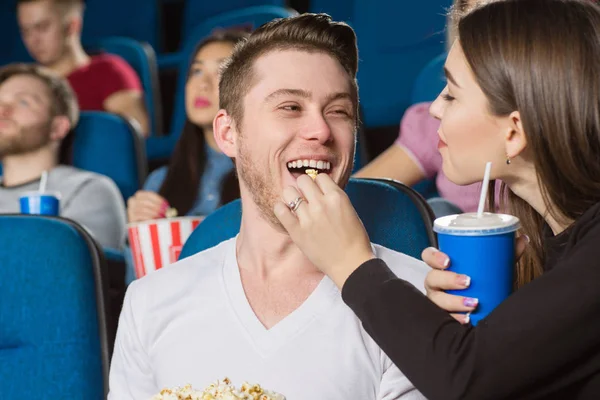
{"x": 158, "y": 243}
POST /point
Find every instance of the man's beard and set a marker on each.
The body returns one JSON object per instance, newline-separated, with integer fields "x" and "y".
{"x": 27, "y": 140}
{"x": 259, "y": 183}
{"x": 262, "y": 186}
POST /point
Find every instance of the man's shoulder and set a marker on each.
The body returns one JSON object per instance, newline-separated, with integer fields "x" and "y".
{"x": 404, "y": 266}
{"x": 74, "y": 177}
{"x": 108, "y": 61}
{"x": 156, "y": 178}
{"x": 191, "y": 274}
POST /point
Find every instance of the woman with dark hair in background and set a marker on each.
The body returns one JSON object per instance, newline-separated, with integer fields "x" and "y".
{"x": 199, "y": 178}
{"x": 523, "y": 92}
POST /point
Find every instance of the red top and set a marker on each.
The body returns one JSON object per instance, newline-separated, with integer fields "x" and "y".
{"x": 104, "y": 75}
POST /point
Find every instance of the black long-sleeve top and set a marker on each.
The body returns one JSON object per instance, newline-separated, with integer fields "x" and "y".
{"x": 543, "y": 342}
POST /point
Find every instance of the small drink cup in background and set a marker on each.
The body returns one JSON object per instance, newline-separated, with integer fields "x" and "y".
{"x": 47, "y": 203}
{"x": 40, "y": 202}
{"x": 482, "y": 248}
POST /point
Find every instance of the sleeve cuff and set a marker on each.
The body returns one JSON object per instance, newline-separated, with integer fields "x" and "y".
{"x": 370, "y": 276}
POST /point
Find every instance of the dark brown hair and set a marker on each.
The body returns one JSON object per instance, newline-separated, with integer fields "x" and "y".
{"x": 306, "y": 32}
{"x": 184, "y": 175}
{"x": 541, "y": 57}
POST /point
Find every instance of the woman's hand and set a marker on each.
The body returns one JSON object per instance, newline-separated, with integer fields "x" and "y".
{"x": 439, "y": 280}
{"x": 145, "y": 205}
{"x": 325, "y": 227}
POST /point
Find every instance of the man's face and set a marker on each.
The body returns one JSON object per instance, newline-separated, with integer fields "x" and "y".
{"x": 24, "y": 115}
{"x": 299, "y": 111}
{"x": 43, "y": 30}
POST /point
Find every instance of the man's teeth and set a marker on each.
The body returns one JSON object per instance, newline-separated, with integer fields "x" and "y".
{"x": 322, "y": 165}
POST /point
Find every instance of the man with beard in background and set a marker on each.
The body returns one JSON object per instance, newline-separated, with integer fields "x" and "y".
{"x": 37, "y": 111}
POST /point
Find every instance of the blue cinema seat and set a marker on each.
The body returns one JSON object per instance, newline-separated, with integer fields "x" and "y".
{"x": 107, "y": 144}
{"x": 54, "y": 336}
{"x": 394, "y": 215}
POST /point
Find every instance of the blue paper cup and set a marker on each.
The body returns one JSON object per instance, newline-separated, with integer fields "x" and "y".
{"x": 46, "y": 203}
{"x": 483, "y": 249}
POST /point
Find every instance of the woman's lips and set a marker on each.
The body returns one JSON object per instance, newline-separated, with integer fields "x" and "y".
{"x": 441, "y": 142}
{"x": 201, "y": 102}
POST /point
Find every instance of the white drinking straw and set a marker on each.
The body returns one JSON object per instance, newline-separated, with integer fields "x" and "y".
{"x": 43, "y": 181}
{"x": 484, "y": 189}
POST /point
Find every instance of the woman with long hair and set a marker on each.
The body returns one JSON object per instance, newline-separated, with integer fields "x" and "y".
{"x": 523, "y": 92}
{"x": 199, "y": 177}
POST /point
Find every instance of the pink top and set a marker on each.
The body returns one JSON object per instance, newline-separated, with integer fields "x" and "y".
{"x": 419, "y": 137}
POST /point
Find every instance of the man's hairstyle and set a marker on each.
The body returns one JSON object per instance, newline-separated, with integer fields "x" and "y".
{"x": 63, "y": 101}
{"x": 306, "y": 32}
{"x": 65, "y": 6}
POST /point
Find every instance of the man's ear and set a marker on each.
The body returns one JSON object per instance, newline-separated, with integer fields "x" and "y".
{"x": 74, "y": 24}
{"x": 516, "y": 140}
{"x": 225, "y": 133}
{"x": 59, "y": 128}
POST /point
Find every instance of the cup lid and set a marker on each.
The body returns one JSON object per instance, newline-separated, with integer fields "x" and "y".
{"x": 38, "y": 193}
{"x": 468, "y": 224}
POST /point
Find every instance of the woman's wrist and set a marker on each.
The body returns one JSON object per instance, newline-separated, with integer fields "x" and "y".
{"x": 369, "y": 276}
{"x": 340, "y": 273}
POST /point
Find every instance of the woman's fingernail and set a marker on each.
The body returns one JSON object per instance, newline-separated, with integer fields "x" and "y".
{"x": 467, "y": 318}
{"x": 470, "y": 302}
{"x": 162, "y": 211}
{"x": 464, "y": 280}
{"x": 442, "y": 259}
{"x": 527, "y": 240}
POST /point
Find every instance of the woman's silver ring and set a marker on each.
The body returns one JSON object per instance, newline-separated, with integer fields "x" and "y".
{"x": 293, "y": 205}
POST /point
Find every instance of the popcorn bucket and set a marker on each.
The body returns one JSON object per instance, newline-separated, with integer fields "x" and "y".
{"x": 158, "y": 243}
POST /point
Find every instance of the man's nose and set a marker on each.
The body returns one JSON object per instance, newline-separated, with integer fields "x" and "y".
{"x": 318, "y": 129}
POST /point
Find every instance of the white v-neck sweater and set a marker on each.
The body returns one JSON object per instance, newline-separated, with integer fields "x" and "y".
{"x": 191, "y": 323}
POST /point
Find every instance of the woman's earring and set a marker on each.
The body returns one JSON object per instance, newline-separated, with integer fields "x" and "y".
{"x": 507, "y": 160}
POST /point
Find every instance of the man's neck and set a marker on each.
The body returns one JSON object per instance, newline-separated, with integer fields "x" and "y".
{"x": 23, "y": 168}
{"x": 74, "y": 58}
{"x": 266, "y": 252}
{"x": 276, "y": 276}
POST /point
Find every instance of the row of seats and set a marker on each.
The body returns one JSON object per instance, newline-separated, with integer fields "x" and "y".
{"x": 396, "y": 39}
{"x": 101, "y": 135}
{"x": 57, "y": 336}
{"x": 135, "y": 19}
{"x": 107, "y": 144}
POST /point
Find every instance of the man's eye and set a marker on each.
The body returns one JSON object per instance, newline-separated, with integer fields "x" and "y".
{"x": 291, "y": 108}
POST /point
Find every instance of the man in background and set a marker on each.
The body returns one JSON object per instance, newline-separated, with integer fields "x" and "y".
{"x": 37, "y": 111}
{"x": 51, "y": 31}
